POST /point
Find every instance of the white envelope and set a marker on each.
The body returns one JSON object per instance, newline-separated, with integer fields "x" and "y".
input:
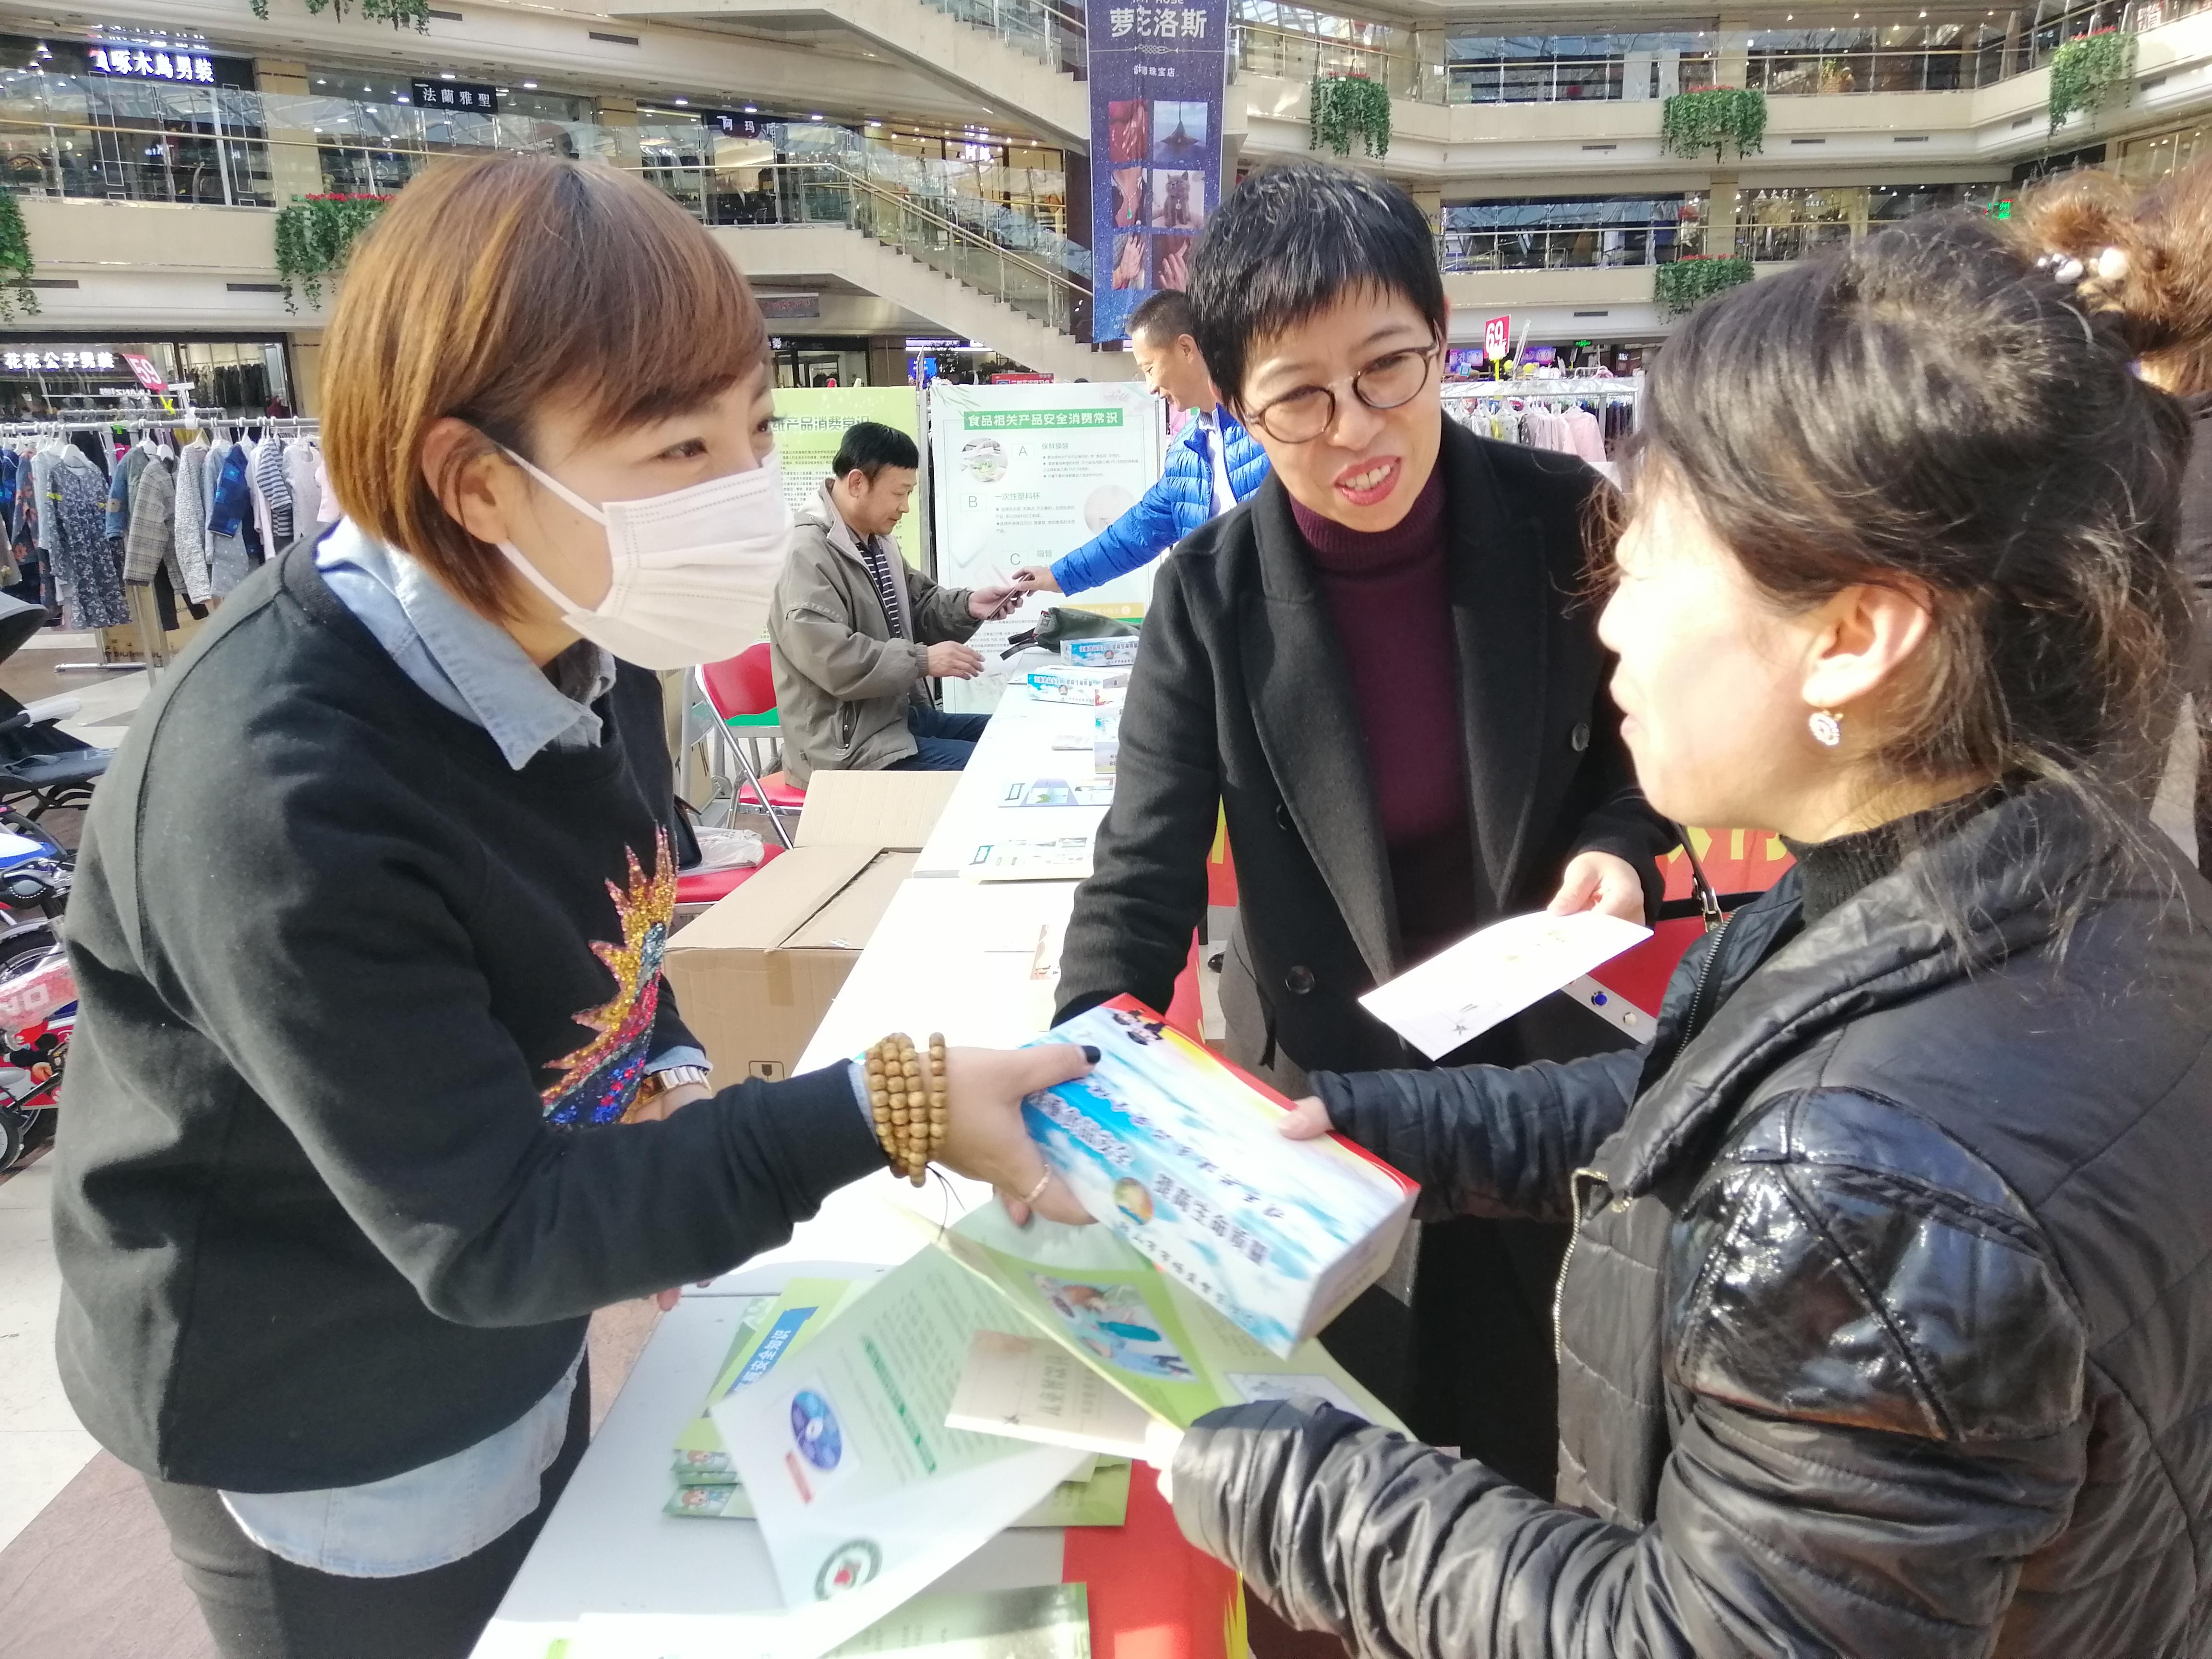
{"x": 1464, "y": 990}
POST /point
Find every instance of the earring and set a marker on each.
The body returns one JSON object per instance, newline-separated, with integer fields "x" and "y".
{"x": 1827, "y": 727}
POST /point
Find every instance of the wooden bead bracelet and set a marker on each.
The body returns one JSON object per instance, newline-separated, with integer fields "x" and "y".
{"x": 906, "y": 1098}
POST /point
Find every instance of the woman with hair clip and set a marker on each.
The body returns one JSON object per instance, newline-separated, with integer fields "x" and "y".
{"x": 377, "y": 1091}
{"x": 1888, "y": 1329}
{"x": 2152, "y": 250}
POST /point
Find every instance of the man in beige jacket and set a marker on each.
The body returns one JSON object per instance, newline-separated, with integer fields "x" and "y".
{"x": 857, "y": 634}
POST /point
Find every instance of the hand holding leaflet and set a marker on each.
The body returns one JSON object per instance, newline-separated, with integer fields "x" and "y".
{"x": 1467, "y": 988}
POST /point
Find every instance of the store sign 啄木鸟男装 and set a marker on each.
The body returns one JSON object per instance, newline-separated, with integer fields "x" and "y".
{"x": 151, "y": 63}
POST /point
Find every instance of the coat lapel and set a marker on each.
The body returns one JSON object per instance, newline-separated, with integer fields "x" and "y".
{"x": 1309, "y": 731}
{"x": 1501, "y": 625}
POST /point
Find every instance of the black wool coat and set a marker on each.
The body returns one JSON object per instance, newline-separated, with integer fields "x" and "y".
{"x": 1240, "y": 697}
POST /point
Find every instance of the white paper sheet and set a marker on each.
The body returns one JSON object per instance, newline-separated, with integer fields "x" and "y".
{"x": 1488, "y": 976}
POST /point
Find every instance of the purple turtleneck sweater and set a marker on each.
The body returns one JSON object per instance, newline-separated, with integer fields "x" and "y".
{"x": 1388, "y": 594}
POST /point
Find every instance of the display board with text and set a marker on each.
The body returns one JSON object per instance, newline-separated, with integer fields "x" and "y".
{"x": 812, "y": 420}
{"x": 1022, "y": 474}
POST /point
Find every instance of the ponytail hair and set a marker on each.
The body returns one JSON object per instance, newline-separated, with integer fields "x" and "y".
{"x": 2157, "y": 291}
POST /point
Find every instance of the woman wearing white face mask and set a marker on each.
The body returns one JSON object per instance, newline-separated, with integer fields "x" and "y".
{"x": 372, "y": 1100}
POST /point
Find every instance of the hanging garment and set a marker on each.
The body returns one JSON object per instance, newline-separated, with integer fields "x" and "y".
{"x": 190, "y": 536}
{"x": 1584, "y": 434}
{"x": 300, "y": 472}
{"x": 272, "y": 496}
{"x": 90, "y": 580}
{"x": 328, "y": 512}
{"x": 43, "y": 464}
{"x": 229, "y": 511}
{"x": 150, "y": 537}
{"x": 118, "y": 489}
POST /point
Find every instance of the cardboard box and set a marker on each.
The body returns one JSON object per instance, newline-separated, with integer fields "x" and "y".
{"x": 755, "y": 974}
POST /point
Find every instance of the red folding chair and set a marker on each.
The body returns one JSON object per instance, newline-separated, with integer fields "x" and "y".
{"x": 741, "y": 691}
{"x": 705, "y": 886}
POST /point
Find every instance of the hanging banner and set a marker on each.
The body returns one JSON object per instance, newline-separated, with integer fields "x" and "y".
{"x": 1022, "y": 474}
{"x": 1157, "y": 74}
{"x": 811, "y": 421}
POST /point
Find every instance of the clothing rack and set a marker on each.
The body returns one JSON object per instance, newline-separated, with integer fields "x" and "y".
{"x": 153, "y": 644}
{"x": 1578, "y": 388}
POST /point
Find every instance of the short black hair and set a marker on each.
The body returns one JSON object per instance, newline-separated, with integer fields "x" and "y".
{"x": 1165, "y": 319}
{"x": 1289, "y": 242}
{"x": 869, "y": 446}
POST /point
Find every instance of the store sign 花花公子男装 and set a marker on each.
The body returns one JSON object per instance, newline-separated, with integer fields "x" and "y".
{"x": 458, "y": 95}
{"x": 151, "y": 63}
{"x": 73, "y": 360}
{"x": 1157, "y": 74}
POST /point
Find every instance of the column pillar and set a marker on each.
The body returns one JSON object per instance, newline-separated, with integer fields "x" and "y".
{"x": 1721, "y": 217}
{"x": 618, "y": 115}
{"x": 306, "y": 354}
{"x": 295, "y": 167}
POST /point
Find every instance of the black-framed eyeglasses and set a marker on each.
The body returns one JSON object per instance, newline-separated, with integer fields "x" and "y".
{"x": 1392, "y": 380}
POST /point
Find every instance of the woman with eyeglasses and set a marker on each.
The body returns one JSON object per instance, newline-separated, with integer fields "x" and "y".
{"x": 1380, "y": 666}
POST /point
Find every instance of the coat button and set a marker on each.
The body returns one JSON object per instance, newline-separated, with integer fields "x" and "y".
{"x": 1283, "y": 814}
{"x": 1580, "y": 736}
{"x": 1298, "y": 980}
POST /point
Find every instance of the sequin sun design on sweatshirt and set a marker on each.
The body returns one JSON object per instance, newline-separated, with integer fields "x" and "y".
{"x": 598, "y": 1082}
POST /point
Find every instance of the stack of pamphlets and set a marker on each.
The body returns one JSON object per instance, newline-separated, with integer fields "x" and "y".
{"x": 773, "y": 1328}
{"x": 861, "y": 1464}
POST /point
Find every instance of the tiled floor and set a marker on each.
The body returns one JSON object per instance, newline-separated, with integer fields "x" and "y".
{"x": 41, "y": 1447}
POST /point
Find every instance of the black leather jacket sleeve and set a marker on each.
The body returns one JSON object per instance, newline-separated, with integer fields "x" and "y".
{"x": 1486, "y": 1140}
{"x": 1880, "y": 1373}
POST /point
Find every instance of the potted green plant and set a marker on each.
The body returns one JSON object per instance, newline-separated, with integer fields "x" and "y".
{"x": 2084, "y": 71}
{"x": 1684, "y": 285}
{"x": 314, "y": 234}
{"x": 1339, "y": 105}
{"x": 1709, "y": 119}
{"x": 17, "y": 297}
{"x": 400, "y": 14}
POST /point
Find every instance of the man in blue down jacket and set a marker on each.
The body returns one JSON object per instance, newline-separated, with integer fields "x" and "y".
{"x": 1212, "y": 464}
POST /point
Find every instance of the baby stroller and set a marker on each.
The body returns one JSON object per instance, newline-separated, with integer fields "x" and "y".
{"x": 41, "y": 766}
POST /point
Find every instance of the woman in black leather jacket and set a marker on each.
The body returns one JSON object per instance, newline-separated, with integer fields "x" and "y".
{"x": 1887, "y": 1330}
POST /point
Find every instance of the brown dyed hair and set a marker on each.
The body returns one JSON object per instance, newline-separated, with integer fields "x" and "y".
{"x": 492, "y": 287}
{"x": 2163, "y": 303}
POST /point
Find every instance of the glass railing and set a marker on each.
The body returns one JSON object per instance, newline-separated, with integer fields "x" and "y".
{"x": 1568, "y": 247}
{"x": 1046, "y": 280}
{"x": 148, "y": 142}
{"x": 1053, "y": 34}
{"x": 1452, "y": 65}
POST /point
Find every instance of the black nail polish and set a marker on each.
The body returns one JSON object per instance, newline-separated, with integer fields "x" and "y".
{"x": 1091, "y": 1053}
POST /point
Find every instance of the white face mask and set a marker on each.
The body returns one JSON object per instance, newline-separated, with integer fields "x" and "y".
{"x": 692, "y": 570}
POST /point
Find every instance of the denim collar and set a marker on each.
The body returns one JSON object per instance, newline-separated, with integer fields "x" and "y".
{"x": 471, "y": 666}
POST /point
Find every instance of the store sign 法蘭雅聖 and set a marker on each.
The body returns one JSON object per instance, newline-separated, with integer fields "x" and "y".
{"x": 151, "y": 63}
{"x": 1157, "y": 74}
{"x": 459, "y": 95}
{"x": 75, "y": 360}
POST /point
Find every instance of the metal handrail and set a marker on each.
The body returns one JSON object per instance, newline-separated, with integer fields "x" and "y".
{"x": 929, "y": 216}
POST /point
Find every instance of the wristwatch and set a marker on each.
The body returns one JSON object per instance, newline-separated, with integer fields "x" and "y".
{"x": 674, "y": 1077}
